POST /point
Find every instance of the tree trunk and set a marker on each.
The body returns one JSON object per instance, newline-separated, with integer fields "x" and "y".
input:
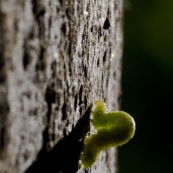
{"x": 56, "y": 57}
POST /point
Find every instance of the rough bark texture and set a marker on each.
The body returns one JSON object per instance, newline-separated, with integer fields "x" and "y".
{"x": 56, "y": 57}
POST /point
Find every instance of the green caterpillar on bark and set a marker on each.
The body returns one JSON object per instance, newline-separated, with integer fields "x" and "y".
{"x": 112, "y": 129}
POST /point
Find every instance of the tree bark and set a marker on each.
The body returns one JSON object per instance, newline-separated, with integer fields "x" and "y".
{"x": 56, "y": 57}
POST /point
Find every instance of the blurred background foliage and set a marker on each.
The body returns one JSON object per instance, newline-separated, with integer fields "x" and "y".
{"x": 147, "y": 85}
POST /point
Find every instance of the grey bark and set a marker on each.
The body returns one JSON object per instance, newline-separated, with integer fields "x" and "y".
{"x": 56, "y": 57}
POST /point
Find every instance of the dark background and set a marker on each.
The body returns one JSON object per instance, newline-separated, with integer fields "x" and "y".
{"x": 147, "y": 85}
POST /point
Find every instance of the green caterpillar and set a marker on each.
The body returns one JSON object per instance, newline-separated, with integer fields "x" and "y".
{"x": 113, "y": 129}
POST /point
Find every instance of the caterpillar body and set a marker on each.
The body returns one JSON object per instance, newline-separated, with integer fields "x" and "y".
{"x": 113, "y": 129}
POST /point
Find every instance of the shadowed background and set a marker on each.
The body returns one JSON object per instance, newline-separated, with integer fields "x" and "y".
{"x": 147, "y": 84}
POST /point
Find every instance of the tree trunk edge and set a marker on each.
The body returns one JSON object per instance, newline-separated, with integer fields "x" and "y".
{"x": 56, "y": 57}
